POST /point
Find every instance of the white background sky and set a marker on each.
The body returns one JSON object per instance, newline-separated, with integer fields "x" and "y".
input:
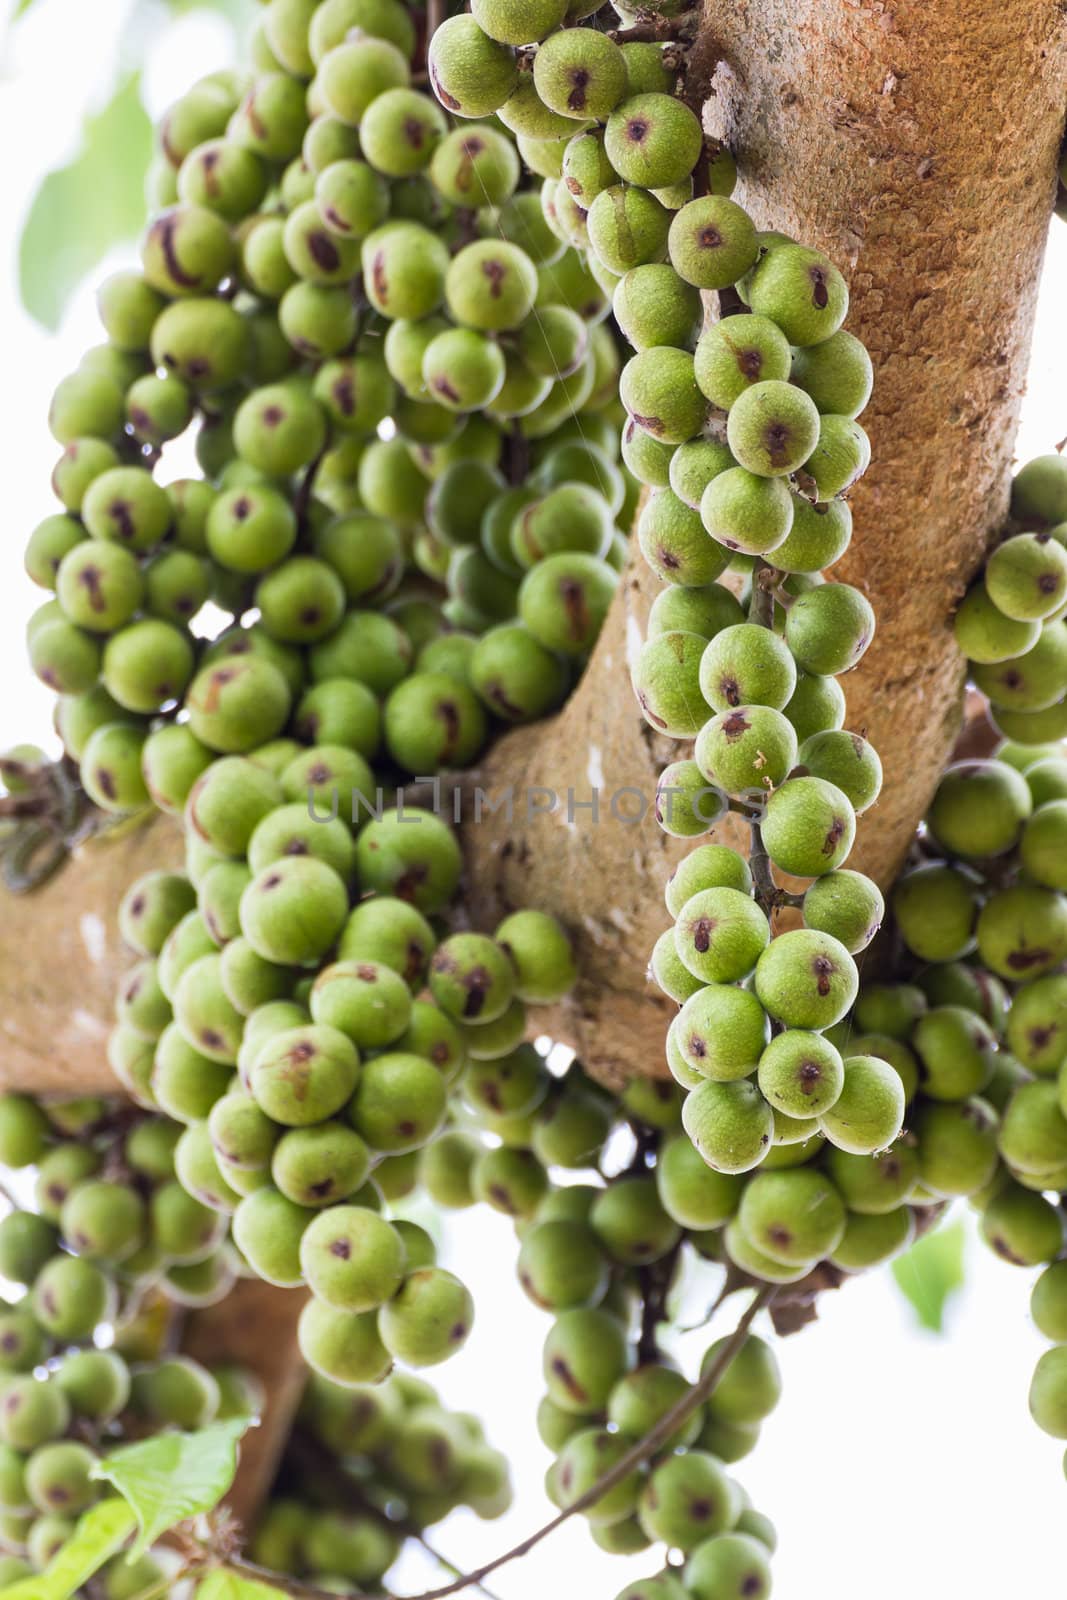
{"x": 898, "y": 1463}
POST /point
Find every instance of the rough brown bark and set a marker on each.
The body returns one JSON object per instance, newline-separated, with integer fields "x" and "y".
{"x": 603, "y": 874}
{"x": 916, "y": 143}
{"x": 61, "y": 958}
{"x": 255, "y": 1327}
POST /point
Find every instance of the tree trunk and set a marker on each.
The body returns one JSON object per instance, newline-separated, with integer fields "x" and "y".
{"x": 255, "y": 1328}
{"x": 61, "y": 957}
{"x": 917, "y": 145}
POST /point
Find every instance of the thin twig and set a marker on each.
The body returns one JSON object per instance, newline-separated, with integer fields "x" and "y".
{"x": 516, "y": 455}
{"x": 438, "y": 794}
{"x": 761, "y": 605}
{"x": 157, "y": 1590}
{"x": 731, "y": 303}
{"x": 646, "y": 1147}
{"x": 305, "y": 489}
{"x": 278, "y": 1580}
{"x": 17, "y": 806}
{"x": 656, "y": 1281}
{"x": 761, "y": 612}
{"x": 760, "y": 864}
{"x": 450, "y": 1566}
{"x": 658, "y": 1436}
{"x": 655, "y": 30}
{"x": 741, "y": 808}
{"x": 729, "y": 1287}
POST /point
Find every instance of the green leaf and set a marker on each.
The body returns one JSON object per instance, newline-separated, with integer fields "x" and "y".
{"x": 100, "y": 1534}
{"x": 174, "y": 1476}
{"x": 931, "y": 1272}
{"x": 83, "y": 210}
{"x": 225, "y": 1584}
{"x": 21, "y": 9}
